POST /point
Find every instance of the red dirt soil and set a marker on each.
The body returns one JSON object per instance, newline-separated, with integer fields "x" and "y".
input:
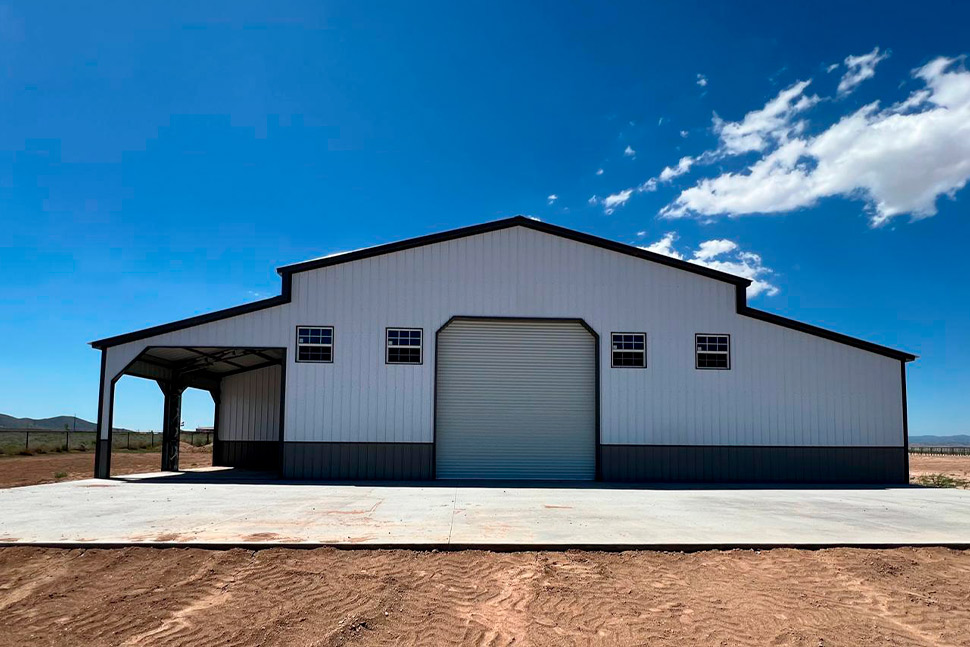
{"x": 16, "y": 471}
{"x": 322, "y": 597}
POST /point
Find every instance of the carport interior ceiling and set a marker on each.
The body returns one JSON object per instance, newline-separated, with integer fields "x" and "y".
{"x": 201, "y": 367}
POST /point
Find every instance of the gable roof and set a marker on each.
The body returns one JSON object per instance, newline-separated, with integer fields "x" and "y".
{"x": 286, "y": 272}
{"x": 507, "y": 223}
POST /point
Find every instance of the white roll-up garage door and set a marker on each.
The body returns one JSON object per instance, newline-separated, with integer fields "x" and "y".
{"x": 516, "y": 400}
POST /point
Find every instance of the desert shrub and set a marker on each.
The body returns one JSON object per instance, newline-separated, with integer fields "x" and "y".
{"x": 941, "y": 480}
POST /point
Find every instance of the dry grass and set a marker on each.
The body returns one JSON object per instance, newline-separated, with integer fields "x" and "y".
{"x": 939, "y": 471}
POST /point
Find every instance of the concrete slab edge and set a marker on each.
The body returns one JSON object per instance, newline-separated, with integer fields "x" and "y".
{"x": 497, "y": 548}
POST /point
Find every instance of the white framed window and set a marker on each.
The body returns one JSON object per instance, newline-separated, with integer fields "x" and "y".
{"x": 629, "y": 350}
{"x": 404, "y": 346}
{"x": 712, "y": 351}
{"x": 314, "y": 343}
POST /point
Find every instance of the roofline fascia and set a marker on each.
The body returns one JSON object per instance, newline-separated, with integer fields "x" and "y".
{"x": 745, "y": 310}
{"x": 506, "y": 223}
{"x": 286, "y": 273}
{"x": 197, "y": 320}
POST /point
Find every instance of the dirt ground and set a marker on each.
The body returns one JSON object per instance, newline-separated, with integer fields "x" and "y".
{"x": 144, "y": 596}
{"x": 16, "y": 471}
{"x": 957, "y": 467}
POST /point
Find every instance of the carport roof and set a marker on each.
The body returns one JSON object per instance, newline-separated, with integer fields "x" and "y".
{"x": 200, "y": 365}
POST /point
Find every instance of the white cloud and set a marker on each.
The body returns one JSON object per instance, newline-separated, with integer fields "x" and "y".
{"x": 759, "y": 129}
{"x": 552, "y": 198}
{"x": 711, "y": 248}
{"x": 701, "y": 80}
{"x": 599, "y": 171}
{"x": 899, "y": 160}
{"x": 831, "y": 68}
{"x": 665, "y": 246}
{"x": 611, "y": 202}
{"x": 649, "y": 185}
{"x": 684, "y": 133}
{"x": 774, "y": 123}
{"x": 594, "y": 199}
{"x": 722, "y": 255}
{"x": 682, "y": 167}
{"x": 660, "y": 122}
{"x": 858, "y": 69}
{"x": 629, "y": 152}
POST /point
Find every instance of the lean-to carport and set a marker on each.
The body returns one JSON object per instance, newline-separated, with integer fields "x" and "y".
{"x": 176, "y": 368}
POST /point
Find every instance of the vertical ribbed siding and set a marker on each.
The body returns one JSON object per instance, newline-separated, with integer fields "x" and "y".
{"x": 516, "y": 399}
{"x": 249, "y": 408}
{"x": 747, "y": 464}
{"x": 250, "y": 454}
{"x": 785, "y": 387}
{"x": 358, "y": 461}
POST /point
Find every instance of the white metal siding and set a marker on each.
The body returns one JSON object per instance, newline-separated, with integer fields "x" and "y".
{"x": 249, "y": 406}
{"x": 516, "y": 400}
{"x": 784, "y": 388}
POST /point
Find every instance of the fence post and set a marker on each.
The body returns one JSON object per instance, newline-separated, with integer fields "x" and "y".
{"x": 26, "y": 441}
{"x": 67, "y": 440}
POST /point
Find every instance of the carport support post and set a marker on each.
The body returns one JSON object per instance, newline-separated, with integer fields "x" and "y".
{"x": 171, "y": 424}
{"x": 102, "y": 441}
{"x": 216, "y": 442}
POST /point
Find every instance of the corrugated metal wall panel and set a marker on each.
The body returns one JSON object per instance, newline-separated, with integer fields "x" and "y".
{"x": 250, "y": 454}
{"x": 516, "y": 399}
{"x": 250, "y": 406}
{"x": 358, "y": 461}
{"x": 785, "y": 387}
{"x": 748, "y": 464}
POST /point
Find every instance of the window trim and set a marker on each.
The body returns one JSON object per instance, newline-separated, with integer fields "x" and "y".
{"x": 333, "y": 340}
{"x": 387, "y": 348}
{"x": 612, "y": 350}
{"x": 715, "y": 352}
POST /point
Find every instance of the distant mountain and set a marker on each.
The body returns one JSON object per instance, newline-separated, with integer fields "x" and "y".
{"x": 56, "y": 423}
{"x": 961, "y": 440}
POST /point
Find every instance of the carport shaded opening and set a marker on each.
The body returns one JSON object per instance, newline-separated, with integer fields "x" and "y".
{"x": 177, "y": 368}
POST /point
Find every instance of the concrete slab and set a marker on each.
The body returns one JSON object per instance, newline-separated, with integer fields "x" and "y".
{"x": 205, "y": 508}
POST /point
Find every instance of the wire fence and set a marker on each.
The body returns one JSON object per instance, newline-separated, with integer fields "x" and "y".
{"x": 41, "y": 441}
{"x": 945, "y": 451}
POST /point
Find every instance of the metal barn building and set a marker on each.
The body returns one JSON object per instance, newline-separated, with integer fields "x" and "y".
{"x": 517, "y": 349}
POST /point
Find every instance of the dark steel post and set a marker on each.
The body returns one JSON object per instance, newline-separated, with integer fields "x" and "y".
{"x": 217, "y": 458}
{"x": 171, "y": 425}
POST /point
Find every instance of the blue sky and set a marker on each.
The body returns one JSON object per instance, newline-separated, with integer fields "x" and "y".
{"x": 160, "y": 161}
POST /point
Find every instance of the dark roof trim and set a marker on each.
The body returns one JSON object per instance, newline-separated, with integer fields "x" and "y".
{"x": 744, "y": 309}
{"x": 506, "y": 223}
{"x": 209, "y": 317}
{"x": 287, "y": 271}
